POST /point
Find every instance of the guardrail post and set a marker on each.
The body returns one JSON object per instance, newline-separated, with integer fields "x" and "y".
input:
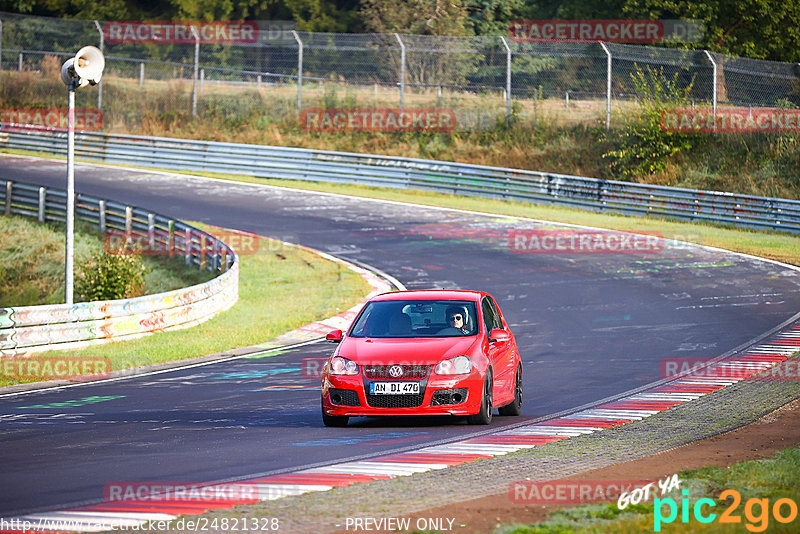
{"x": 608, "y": 85}
{"x": 171, "y": 237}
{"x": 141, "y": 74}
{"x": 20, "y": 62}
{"x": 714, "y": 90}
{"x": 402, "y": 72}
{"x": 196, "y": 67}
{"x": 101, "y": 208}
{"x": 128, "y": 223}
{"x": 100, "y": 83}
{"x": 299, "y": 71}
{"x": 151, "y": 231}
{"x": 217, "y": 256}
{"x": 42, "y": 195}
{"x": 187, "y": 245}
{"x": 508, "y": 79}
{"x": 601, "y": 187}
{"x": 9, "y": 190}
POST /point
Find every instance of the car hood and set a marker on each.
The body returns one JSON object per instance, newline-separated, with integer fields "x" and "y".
{"x": 417, "y": 351}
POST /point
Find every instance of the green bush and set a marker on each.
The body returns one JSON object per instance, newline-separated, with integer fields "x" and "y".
{"x": 643, "y": 147}
{"x": 109, "y": 277}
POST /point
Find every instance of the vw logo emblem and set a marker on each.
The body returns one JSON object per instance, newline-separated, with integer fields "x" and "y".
{"x": 396, "y": 371}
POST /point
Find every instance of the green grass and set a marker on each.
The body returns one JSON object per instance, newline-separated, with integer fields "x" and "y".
{"x": 773, "y": 478}
{"x": 280, "y": 288}
{"x": 32, "y": 263}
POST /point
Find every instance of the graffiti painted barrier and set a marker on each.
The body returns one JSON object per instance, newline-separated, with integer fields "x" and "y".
{"x": 29, "y": 329}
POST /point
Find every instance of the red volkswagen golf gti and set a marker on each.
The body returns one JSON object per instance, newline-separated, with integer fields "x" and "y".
{"x": 435, "y": 352}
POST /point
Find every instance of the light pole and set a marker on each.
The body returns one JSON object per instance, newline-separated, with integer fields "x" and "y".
{"x": 85, "y": 68}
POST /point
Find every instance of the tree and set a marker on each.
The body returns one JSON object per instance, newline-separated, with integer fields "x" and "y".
{"x": 492, "y": 17}
{"x": 424, "y": 17}
{"x": 339, "y": 16}
{"x": 575, "y": 9}
{"x": 84, "y": 9}
{"x": 760, "y": 29}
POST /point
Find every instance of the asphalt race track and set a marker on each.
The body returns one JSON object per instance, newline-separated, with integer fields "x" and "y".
{"x": 589, "y": 326}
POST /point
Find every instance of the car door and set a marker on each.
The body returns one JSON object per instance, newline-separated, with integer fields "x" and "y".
{"x": 500, "y": 353}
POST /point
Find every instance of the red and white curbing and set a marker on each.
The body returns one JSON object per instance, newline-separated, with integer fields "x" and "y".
{"x": 730, "y": 370}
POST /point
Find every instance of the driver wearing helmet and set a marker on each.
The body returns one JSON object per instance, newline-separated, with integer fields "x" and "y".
{"x": 456, "y": 321}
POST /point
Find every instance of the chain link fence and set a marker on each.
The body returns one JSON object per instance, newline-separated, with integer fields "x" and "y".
{"x": 482, "y": 79}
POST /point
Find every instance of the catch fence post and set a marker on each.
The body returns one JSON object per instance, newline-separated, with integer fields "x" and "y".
{"x": 402, "y": 72}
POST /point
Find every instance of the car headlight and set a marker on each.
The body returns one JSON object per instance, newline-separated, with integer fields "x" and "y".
{"x": 454, "y": 366}
{"x": 343, "y": 366}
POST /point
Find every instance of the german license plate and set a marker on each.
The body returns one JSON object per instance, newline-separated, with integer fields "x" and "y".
{"x": 394, "y": 388}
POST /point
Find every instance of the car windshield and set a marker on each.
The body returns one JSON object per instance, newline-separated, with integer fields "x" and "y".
{"x": 416, "y": 318}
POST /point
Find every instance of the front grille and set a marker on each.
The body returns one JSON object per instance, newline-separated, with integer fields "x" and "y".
{"x": 409, "y": 371}
{"x": 449, "y": 396}
{"x": 343, "y": 397}
{"x": 395, "y": 401}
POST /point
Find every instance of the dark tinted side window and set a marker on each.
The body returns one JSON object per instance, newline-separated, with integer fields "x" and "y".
{"x": 490, "y": 318}
{"x": 498, "y": 319}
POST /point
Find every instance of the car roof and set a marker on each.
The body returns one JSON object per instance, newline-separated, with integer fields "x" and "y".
{"x": 431, "y": 294}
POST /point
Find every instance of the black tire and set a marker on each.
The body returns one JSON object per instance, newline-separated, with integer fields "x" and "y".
{"x": 484, "y": 416}
{"x": 334, "y": 420}
{"x": 515, "y": 408}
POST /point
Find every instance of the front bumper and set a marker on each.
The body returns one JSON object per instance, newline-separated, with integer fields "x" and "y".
{"x": 439, "y": 395}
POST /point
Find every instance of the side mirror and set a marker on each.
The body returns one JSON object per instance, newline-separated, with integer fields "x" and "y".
{"x": 499, "y": 334}
{"x": 334, "y": 336}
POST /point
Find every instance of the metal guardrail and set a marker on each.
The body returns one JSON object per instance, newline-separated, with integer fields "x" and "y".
{"x": 407, "y": 173}
{"x": 60, "y": 326}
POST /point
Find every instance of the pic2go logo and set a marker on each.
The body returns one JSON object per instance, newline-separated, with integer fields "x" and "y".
{"x": 756, "y": 511}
